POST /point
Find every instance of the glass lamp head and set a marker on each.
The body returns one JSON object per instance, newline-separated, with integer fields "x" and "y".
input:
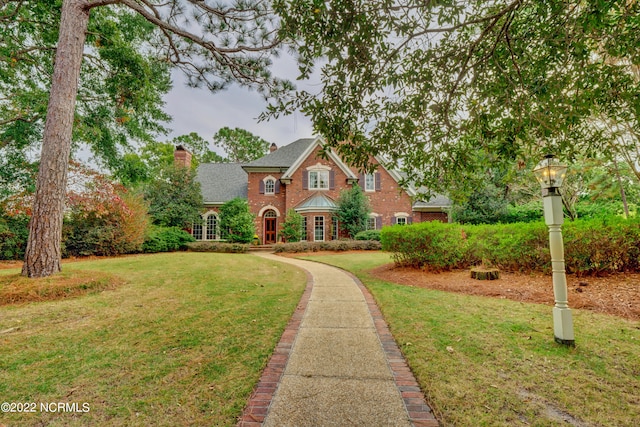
{"x": 550, "y": 172}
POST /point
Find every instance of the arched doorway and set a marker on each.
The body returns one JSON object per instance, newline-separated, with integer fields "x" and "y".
{"x": 270, "y": 227}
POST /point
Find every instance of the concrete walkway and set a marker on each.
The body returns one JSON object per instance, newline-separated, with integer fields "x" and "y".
{"x": 336, "y": 364}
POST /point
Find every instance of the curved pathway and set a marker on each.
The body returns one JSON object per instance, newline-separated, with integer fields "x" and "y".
{"x": 336, "y": 363}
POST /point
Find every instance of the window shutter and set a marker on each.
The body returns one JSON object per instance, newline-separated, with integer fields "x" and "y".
{"x": 332, "y": 180}
{"x": 377, "y": 178}
{"x": 395, "y": 220}
{"x": 277, "y": 190}
{"x": 361, "y": 180}
{"x": 378, "y": 222}
{"x": 261, "y": 187}
{"x": 305, "y": 180}
{"x": 410, "y": 220}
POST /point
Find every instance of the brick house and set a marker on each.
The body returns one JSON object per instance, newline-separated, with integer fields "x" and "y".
{"x": 295, "y": 176}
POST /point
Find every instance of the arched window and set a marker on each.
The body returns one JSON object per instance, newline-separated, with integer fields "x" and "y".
{"x": 212, "y": 227}
{"x": 209, "y": 229}
{"x": 269, "y": 186}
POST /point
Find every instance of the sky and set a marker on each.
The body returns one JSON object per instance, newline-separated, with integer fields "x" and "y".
{"x": 201, "y": 111}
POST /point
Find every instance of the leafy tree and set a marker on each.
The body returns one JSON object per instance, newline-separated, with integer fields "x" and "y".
{"x": 213, "y": 44}
{"x": 175, "y": 199}
{"x": 486, "y": 205}
{"x": 353, "y": 210}
{"x": 431, "y": 84}
{"x": 291, "y": 228}
{"x": 240, "y": 145}
{"x": 236, "y": 221}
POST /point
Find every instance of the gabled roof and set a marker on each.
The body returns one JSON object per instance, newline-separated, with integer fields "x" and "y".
{"x": 221, "y": 182}
{"x": 437, "y": 201}
{"x": 284, "y": 156}
{"x": 318, "y": 142}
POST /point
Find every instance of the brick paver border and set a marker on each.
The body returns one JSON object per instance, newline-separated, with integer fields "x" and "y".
{"x": 256, "y": 410}
{"x": 419, "y": 411}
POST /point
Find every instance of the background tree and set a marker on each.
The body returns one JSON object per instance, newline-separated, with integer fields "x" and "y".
{"x": 353, "y": 210}
{"x": 236, "y": 221}
{"x": 213, "y": 44}
{"x": 241, "y": 146}
{"x": 174, "y": 198}
{"x": 291, "y": 228}
{"x": 431, "y": 84}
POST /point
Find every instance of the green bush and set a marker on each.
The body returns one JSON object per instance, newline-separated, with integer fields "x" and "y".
{"x": 434, "y": 245}
{"x": 368, "y": 235}
{"x": 13, "y": 236}
{"x": 291, "y": 228}
{"x": 332, "y": 245}
{"x": 594, "y": 246}
{"x": 235, "y": 248}
{"x": 166, "y": 239}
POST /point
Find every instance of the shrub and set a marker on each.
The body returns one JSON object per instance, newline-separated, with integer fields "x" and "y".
{"x": 332, "y": 245}
{"x": 434, "y": 245}
{"x": 14, "y": 232}
{"x": 236, "y": 221}
{"x": 291, "y": 229}
{"x": 353, "y": 210}
{"x": 595, "y": 246}
{"x": 368, "y": 235}
{"x": 236, "y": 248}
{"x": 166, "y": 239}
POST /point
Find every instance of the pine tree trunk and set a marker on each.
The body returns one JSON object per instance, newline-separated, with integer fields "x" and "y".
{"x": 43, "y": 251}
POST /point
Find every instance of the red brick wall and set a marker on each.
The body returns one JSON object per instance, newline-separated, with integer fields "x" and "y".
{"x": 430, "y": 216}
{"x": 258, "y": 201}
{"x": 391, "y": 199}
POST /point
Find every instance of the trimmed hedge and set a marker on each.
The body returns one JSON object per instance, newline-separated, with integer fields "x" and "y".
{"x": 368, "y": 235}
{"x": 592, "y": 247}
{"x": 229, "y": 248}
{"x": 166, "y": 239}
{"x": 332, "y": 245}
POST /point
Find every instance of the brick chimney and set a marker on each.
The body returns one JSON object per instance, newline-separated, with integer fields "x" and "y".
{"x": 182, "y": 157}
{"x": 273, "y": 147}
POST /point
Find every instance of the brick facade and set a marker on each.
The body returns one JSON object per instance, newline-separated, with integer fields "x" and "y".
{"x": 287, "y": 174}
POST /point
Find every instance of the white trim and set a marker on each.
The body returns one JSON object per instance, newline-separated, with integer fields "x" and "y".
{"x": 319, "y": 167}
{"x": 323, "y": 228}
{"x": 264, "y": 182}
{"x": 331, "y": 153}
{"x": 401, "y": 215}
{"x": 269, "y": 207}
{"x": 364, "y": 177}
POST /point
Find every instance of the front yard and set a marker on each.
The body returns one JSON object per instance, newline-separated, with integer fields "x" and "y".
{"x": 182, "y": 341}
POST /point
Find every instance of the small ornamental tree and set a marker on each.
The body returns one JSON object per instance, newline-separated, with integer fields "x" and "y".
{"x": 353, "y": 210}
{"x": 291, "y": 230}
{"x": 102, "y": 218}
{"x": 236, "y": 221}
{"x": 174, "y": 198}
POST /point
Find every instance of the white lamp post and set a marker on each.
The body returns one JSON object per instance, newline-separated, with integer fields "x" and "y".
{"x": 550, "y": 173}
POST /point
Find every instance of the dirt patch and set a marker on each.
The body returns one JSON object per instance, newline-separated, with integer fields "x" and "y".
{"x": 617, "y": 294}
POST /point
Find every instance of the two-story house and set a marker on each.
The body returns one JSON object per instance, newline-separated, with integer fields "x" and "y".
{"x": 296, "y": 176}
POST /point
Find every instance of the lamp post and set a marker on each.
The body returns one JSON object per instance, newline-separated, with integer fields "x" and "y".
{"x": 550, "y": 173}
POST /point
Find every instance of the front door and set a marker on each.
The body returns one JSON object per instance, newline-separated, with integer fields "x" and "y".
{"x": 269, "y": 230}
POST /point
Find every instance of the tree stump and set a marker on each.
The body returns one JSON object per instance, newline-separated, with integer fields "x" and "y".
{"x": 484, "y": 273}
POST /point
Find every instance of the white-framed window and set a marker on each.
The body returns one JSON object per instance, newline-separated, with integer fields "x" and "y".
{"x": 369, "y": 182}
{"x": 318, "y": 180}
{"x": 371, "y": 223}
{"x": 303, "y": 229}
{"x": 318, "y": 229}
{"x": 196, "y": 231}
{"x": 212, "y": 231}
{"x": 209, "y": 229}
{"x": 269, "y": 186}
{"x": 401, "y": 220}
{"x": 334, "y": 228}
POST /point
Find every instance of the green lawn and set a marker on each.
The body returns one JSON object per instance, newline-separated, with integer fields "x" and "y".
{"x": 181, "y": 342}
{"x": 493, "y": 362}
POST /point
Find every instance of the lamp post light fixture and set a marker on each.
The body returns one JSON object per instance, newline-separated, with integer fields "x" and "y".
{"x": 550, "y": 174}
